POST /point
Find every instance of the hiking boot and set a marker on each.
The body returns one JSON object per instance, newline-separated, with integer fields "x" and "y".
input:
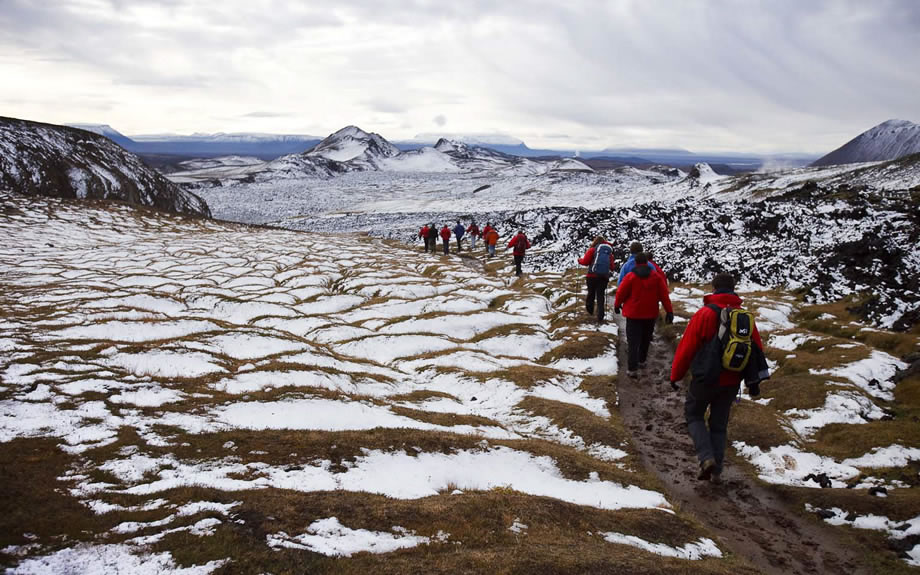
{"x": 706, "y": 469}
{"x": 632, "y": 373}
{"x": 716, "y": 478}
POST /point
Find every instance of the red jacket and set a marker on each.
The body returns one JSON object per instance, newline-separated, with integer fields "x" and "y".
{"x": 588, "y": 259}
{"x": 445, "y": 234}
{"x": 702, "y": 327}
{"x": 473, "y": 230}
{"x": 519, "y": 251}
{"x": 423, "y": 232}
{"x": 485, "y": 230}
{"x": 639, "y": 296}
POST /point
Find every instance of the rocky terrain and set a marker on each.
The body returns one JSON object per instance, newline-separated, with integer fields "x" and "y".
{"x": 49, "y": 160}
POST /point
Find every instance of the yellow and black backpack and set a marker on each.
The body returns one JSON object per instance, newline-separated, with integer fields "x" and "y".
{"x": 729, "y": 349}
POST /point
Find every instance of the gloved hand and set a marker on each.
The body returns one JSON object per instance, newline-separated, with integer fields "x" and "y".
{"x": 669, "y": 318}
{"x": 754, "y": 389}
{"x": 616, "y": 310}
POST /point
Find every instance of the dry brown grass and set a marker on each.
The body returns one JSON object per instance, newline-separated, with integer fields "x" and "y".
{"x": 526, "y": 376}
{"x": 581, "y": 345}
{"x": 560, "y": 538}
{"x": 758, "y": 425}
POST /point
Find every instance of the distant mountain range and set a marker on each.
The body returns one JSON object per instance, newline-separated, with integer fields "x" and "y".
{"x": 351, "y": 149}
{"x": 163, "y": 149}
{"x": 888, "y": 141}
{"x": 262, "y": 146}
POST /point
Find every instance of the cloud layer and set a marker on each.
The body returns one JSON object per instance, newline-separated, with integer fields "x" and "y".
{"x": 743, "y": 75}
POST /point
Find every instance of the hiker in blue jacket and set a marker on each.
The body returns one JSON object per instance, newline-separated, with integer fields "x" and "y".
{"x": 634, "y": 248}
{"x": 459, "y": 230}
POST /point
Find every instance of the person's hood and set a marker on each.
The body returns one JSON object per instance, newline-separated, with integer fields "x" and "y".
{"x": 642, "y": 270}
{"x": 723, "y": 299}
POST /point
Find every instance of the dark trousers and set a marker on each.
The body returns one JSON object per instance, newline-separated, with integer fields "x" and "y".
{"x": 709, "y": 441}
{"x": 638, "y": 337}
{"x": 597, "y": 292}
{"x": 446, "y": 246}
{"x": 458, "y": 244}
{"x": 426, "y": 244}
{"x": 517, "y": 264}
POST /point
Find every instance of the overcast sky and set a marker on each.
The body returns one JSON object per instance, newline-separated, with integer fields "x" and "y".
{"x": 706, "y": 75}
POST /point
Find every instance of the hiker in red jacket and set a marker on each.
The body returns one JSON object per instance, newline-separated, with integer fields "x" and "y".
{"x": 423, "y": 233}
{"x": 485, "y": 235}
{"x": 599, "y": 259}
{"x": 445, "y": 235}
{"x": 521, "y": 244}
{"x": 718, "y": 393}
{"x": 638, "y": 296}
{"x": 473, "y": 230}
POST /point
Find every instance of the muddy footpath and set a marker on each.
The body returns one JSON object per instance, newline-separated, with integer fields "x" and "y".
{"x": 747, "y": 517}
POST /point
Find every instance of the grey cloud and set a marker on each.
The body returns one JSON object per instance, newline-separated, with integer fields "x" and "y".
{"x": 719, "y": 74}
{"x": 265, "y": 115}
{"x": 440, "y": 120}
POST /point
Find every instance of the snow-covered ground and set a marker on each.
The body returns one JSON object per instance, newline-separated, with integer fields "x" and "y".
{"x": 132, "y": 338}
{"x": 120, "y": 320}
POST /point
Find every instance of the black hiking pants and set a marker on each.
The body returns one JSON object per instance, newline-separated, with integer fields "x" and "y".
{"x": 518, "y": 260}
{"x": 709, "y": 441}
{"x": 426, "y": 244}
{"x": 638, "y": 338}
{"x": 597, "y": 292}
{"x": 446, "y": 246}
{"x": 458, "y": 244}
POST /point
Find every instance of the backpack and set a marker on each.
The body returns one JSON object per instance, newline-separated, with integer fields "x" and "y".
{"x": 729, "y": 349}
{"x": 601, "y": 264}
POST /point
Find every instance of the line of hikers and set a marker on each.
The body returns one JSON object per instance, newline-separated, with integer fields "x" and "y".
{"x": 519, "y": 243}
{"x": 720, "y": 347}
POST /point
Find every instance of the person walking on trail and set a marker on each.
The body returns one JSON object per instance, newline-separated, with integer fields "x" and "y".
{"x": 445, "y": 237}
{"x": 433, "y": 237}
{"x": 473, "y": 230}
{"x": 521, "y": 244}
{"x": 491, "y": 239}
{"x": 599, "y": 259}
{"x": 485, "y": 235}
{"x": 634, "y": 248}
{"x": 713, "y": 348}
{"x": 423, "y": 233}
{"x": 638, "y": 297}
{"x": 459, "y": 230}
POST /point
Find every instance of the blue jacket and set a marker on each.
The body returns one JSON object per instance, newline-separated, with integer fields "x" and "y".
{"x": 628, "y": 267}
{"x": 458, "y": 231}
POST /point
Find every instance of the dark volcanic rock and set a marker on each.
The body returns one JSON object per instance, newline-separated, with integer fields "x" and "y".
{"x": 49, "y": 160}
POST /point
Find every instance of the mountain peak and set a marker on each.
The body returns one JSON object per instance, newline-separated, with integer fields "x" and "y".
{"x": 889, "y": 140}
{"x": 352, "y": 142}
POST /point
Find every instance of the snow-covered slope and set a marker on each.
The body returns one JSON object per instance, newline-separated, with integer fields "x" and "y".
{"x": 888, "y": 141}
{"x": 352, "y": 144}
{"x": 44, "y": 159}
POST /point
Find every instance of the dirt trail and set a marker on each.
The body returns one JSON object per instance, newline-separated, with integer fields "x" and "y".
{"x": 748, "y": 518}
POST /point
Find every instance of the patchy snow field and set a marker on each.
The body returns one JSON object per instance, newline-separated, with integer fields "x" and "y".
{"x": 185, "y": 367}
